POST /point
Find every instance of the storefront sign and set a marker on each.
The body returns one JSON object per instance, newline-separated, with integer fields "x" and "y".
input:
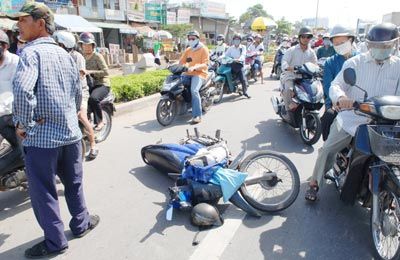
{"x": 168, "y": 45}
{"x": 171, "y": 18}
{"x": 183, "y": 16}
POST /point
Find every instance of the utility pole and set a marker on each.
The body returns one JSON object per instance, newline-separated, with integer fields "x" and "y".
{"x": 316, "y": 15}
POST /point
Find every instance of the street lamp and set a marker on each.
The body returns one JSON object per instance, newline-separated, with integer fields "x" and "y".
{"x": 316, "y": 15}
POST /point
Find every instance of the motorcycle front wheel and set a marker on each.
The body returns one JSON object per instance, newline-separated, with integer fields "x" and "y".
{"x": 386, "y": 233}
{"x": 166, "y": 111}
{"x": 310, "y": 128}
{"x": 219, "y": 92}
{"x": 102, "y": 134}
{"x": 279, "y": 190}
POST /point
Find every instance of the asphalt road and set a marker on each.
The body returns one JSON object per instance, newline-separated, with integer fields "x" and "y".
{"x": 131, "y": 198}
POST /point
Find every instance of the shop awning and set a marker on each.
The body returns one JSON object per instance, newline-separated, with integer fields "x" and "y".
{"x": 122, "y": 27}
{"x": 6, "y": 24}
{"x": 75, "y": 23}
{"x": 144, "y": 29}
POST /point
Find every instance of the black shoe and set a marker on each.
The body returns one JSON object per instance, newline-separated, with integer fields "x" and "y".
{"x": 93, "y": 222}
{"x": 246, "y": 95}
{"x": 40, "y": 250}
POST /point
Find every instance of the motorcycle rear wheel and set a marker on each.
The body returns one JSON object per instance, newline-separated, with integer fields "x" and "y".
{"x": 166, "y": 111}
{"x": 313, "y": 127}
{"x": 386, "y": 235}
{"x": 276, "y": 198}
{"x": 106, "y": 130}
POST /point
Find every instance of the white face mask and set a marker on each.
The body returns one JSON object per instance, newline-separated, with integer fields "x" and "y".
{"x": 344, "y": 48}
{"x": 193, "y": 43}
{"x": 220, "y": 42}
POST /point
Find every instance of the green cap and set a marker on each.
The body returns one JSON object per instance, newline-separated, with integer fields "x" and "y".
{"x": 36, "y": 10}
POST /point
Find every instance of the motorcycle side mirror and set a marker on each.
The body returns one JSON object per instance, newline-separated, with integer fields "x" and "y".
{"x": 349, "y": 76}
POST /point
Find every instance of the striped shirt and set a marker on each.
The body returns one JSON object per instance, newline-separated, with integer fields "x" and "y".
{"x": 47, "y": 86}
{"x": 376, "y": 79}
{"x": 295, "y": 56}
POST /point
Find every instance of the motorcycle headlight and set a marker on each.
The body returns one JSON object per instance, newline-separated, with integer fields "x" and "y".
{"x": 390, "y": 112}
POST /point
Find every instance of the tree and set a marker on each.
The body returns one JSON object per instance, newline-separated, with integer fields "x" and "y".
{"x": 253, "y": 12}
{"x": 297, "y": 26}
{"x": 284, "y": 27}
{"x": 178, "y": 30}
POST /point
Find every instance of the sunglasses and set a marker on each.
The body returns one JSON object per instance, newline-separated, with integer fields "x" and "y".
{"x": 306, "y": 36}
{"x": 192, "y": 39}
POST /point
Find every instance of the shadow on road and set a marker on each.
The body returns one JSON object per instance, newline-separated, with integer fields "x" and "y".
{"x": 277, "y": 136}
{"x": 151, "y": 126}
{"x": 13, "y": 202}
{"x": 325, "y": 230}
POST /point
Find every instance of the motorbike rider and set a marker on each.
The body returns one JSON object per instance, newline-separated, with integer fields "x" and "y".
{"x": 342, "y": 40}
{"x": 378, "y": 73}
{"x": 326, "y": 50}
{"x": 258, "y": 49}
{"x": 285, "y": 44}
{"x": 249, "y": 41}
{"x": 8, "y": 67}
{"x": 67, "y": 41}
{"x": 237, "y": 52}
{"x": 96, "y": 67}
{"x": 221, "y": 46}
{"x": 296, "y": 56}
{"x": 362, "y": 45}
{"x": 196, "y": 56}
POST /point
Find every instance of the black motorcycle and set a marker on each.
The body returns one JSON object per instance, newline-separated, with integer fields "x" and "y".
{"x": 176, "y": 97}
{"x": 308, "y": 96}
{"x": 368, "y": 170}
{"x": 108, "y": 109}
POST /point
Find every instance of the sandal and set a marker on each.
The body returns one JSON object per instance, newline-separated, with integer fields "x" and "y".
{"x": 98, "y": 128}
{"x": 311, "y": 193}
{"x": 93, "y": 153}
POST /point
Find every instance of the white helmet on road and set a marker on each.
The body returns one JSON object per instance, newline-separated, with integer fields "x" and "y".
{"x": 65, "y": 38}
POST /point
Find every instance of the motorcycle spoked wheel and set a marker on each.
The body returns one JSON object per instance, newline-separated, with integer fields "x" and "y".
{"x": 386, "y": 235}
{"x": 102, "y": 134}
{"x": 270, "y": 195}
{"x": 206, "y": 103}
{"x": 220, "y": 89}
{"x": 166, "y": 111}
{"x": 312, "y": 130}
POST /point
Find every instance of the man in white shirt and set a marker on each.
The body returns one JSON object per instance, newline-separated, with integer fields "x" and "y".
{"x": 296, "y": 56}
{"x": 238, "y": 53}
{"x": 221, "y": 46}
{"x": 378, "y": 73}
{"x": 8, "y": 67}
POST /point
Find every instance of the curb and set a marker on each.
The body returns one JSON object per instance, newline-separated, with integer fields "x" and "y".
{"x": 137, "y": 104}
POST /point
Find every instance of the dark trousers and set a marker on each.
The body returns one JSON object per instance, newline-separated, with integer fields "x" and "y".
{"x": 237, "y": 69}
{"x": 326, "y": 121}
{"x": 97, "y": 94}
{"x": 42, "y": 166}
{"x": 14, "y": 158}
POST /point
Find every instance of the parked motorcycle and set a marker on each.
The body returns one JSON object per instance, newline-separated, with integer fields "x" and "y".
{"x": 308, "y": 96}
{"x": 272, "y": 183}
{"x": 278, "y": 62}
{"x": 176, "y": 97}
{"x": 368, "y": 170}
{"x": 225, "y": 81}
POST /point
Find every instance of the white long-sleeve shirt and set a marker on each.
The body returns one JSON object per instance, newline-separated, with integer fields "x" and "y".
{"x": 236, "y": 52}
{"x": 7, "y": 72}
{"x": 295, "y": 56}
{"x": 377, "y": 79}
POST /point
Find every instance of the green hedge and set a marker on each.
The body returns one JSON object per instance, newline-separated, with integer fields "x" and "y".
{"x": 127, "y": 88}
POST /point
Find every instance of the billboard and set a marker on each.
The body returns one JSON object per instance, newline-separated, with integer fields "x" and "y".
{"x": 154, "y": 13}
{"x": 11, "y": 6}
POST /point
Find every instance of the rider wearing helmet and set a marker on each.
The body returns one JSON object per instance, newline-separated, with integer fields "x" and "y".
{"x": 378, "y": 73}
{"x": 326, "y": 50}
{"x": 362, "y": 45}
{"x": 258, "y": 49}
{"x": 296, "y": 56}
{"x": 249, "y": 40}
{"x": 221, "y": 46}
{"x": 8, "y": 67}
{"x": 283, "y": 46}
{"x": 238, "y": 53}
{"x": 97, "y": 68}
{"x": 67, "y": 41}
{"x": 196, "y": 57}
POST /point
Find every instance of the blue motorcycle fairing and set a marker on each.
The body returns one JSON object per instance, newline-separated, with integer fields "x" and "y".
{"x": 362, "y": 140}
{"x": 238, "y": 200}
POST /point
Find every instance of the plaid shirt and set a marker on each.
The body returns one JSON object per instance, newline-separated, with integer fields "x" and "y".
{"x": 47, "y": 86}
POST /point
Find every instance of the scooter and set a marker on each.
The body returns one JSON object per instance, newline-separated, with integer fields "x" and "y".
{"x": 368, "y": 170}
{"x": 225, "y": 81}
{"x": 176, "y": 96}
{"x": 263, "y": 189}
{"x": 308, "y": 97}
{"x": 278, "y": 62}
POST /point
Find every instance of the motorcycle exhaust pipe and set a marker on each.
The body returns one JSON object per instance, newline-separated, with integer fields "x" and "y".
{"x": 276, "y": 104}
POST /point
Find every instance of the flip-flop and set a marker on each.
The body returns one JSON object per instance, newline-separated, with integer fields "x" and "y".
{"x": 311, "y": 193}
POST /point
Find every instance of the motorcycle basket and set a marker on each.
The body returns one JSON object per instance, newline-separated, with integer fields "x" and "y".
{"x": 385, "y": 142}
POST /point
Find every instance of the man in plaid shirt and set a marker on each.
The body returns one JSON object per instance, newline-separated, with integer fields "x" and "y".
{"x": 47, "y": 98}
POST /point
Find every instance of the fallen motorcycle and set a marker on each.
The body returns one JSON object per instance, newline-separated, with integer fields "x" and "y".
{"x": 271, "y": 183}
